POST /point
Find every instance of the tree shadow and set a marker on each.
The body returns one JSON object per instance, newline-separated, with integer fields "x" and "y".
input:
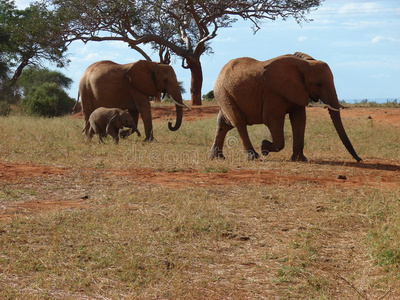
{"x": 360, "y": 165}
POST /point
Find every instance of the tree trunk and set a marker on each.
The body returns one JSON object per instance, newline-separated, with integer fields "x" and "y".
{"x": 197, "y": 80}
{"x": 18, "y": 71}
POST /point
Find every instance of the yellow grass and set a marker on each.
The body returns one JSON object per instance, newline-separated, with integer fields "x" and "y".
{"x": 295, "y": 237}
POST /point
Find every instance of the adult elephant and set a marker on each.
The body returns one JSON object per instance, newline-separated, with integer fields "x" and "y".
{"x": 129, "y": 86}
{"x": 263, "y": 92}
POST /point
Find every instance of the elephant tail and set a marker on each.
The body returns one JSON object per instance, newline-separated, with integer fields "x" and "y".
{"x": 86, "y": 128}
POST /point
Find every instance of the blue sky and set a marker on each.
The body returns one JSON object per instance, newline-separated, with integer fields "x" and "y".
{"x": 359, "y": 40}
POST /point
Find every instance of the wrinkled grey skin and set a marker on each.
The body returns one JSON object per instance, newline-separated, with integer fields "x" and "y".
{"x": 103, "y": 121}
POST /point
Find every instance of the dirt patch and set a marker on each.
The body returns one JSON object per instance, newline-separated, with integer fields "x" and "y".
{"x": 15, "y": 171}
{"x": 384, "y": 174}
{"x": 168, "y": 112}
{"x": 373, "y": 173}
{"x": 385, "y": 116}
{"x": 31, "y": 207}
{"x": 376, "y": 174}
{"x": 196, "y": 112}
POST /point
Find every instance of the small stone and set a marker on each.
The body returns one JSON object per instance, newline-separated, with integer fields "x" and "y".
{"x": 343, "y": 177}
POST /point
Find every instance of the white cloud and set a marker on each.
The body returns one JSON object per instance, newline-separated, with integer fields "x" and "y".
{"x": 359, "y": 8}
{"x": 347, "y": 43}
{"x": 228, "y": 39}
{"x": 381, "y": 38}
{"x": 380, "y": 75}
{"x": 118, "y": 44}
{"x": 302, "y": 38}
{"x": 363, "y": 24}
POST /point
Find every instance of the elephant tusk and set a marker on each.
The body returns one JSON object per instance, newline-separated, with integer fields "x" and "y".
{"x": 182, "y": 105}
{"x": 332, "y": 108}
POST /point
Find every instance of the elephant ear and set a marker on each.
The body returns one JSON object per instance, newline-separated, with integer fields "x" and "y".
{"x": 142, "y": 77}
{"x": 112, "y": 120}
{"x": 284, "y": 77}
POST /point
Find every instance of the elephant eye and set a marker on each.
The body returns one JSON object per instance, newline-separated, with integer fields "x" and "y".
{"x": 319, "y": 84}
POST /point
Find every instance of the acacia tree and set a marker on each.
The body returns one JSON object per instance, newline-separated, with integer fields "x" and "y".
{"x": 182, "y": 27}
{"x": 29, "y": 36}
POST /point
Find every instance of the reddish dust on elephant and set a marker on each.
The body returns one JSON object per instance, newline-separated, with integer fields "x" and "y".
{"x": 128, "y": 87}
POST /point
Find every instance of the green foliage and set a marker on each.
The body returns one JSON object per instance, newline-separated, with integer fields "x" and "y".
{"x": 33, "y": 77}
{"x": 8, "y": 92}
{"x": 166, "y": 25}
{"x": 47, "y": 100}
{"x": 209, "y": 96}
{"x": 4, "y": 108}
{"x": 370, "y": 103}
{"x": 30, "y": 36}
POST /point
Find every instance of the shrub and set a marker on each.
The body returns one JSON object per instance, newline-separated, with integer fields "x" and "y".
{"x": 48, "y": 100}
{"x": 4, "y": 108}
{"x": 209, "y": 96}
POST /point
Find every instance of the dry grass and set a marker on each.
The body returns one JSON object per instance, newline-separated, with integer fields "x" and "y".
{"x": 294, "y": 238}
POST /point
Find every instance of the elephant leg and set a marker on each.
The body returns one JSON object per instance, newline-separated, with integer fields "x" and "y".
{"x": 222, "y": 129}
{"x": 244, "y": 135}
{"x": 275, "y": 125}
{"x": 101, "y": 141}
{"x": 145, "y": 113}
{"x": 135, "y": 116}
{"x": 87, "y": 109}
{"x": 238, "y": 120}
{"x": 114, "y": 132}
{"x": 298, "y": 121}
{"x": 90, "y": 134}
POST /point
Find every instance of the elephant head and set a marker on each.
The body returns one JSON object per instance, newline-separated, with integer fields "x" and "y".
{"x": 308, "y": 79}
{"x": 122, "y": 119}
{"x": 151, "y": 79}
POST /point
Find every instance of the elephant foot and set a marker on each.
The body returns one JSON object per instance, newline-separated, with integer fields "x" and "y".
{"x": 299, "y": 157}
{"x": 267, "y": 146}
{"x": 264, "y": 152}
{"x": 252, "y": 154}
{"x": 149, "y": 139}
{"x": 216, "y": 153}
{"x": 124, "y": 133}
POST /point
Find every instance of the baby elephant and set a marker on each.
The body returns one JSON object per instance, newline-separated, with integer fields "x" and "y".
{"x": 105, "y": 121}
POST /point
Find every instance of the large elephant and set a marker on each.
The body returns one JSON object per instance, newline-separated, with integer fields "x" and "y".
{"x": 129, "y": 86}
{"x": 263, "y": 92}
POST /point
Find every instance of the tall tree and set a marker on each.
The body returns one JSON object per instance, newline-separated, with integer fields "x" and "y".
{"x": 30, "y": 36}
{"x": 183, "y": 27}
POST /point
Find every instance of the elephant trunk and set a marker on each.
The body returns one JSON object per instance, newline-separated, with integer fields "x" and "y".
{"x": 179, "y": 114}
{"x": 337, "y": 122}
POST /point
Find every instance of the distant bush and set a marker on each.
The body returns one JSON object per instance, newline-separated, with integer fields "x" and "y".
{"x": 370, "y": 103}
{"x": 4, "y": 108}
{"x": 209, "y": 96}
{"x": 47, "y": 100}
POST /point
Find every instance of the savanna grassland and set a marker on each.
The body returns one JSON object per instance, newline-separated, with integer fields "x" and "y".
{"x": 160, "y": 221}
